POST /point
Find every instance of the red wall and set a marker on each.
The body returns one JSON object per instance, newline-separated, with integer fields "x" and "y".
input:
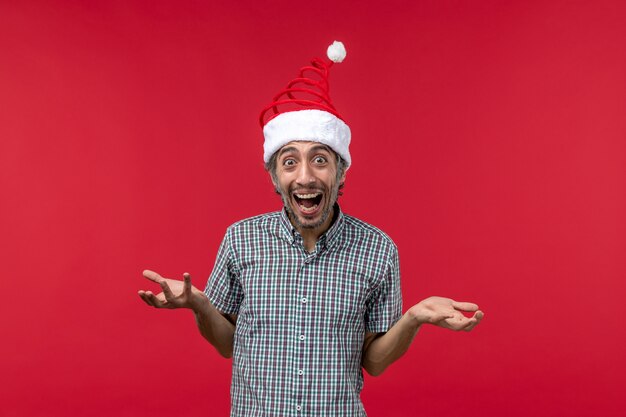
{"x": 488, "y": 141}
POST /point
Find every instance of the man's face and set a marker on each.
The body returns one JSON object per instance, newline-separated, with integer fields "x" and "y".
{"x": 306, "y": 178}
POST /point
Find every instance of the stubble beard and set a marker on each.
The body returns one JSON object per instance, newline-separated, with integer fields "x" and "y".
{"x": 328, "y": 210}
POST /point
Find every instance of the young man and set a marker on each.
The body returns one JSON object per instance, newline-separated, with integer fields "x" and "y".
{"x": 305, "y": 298}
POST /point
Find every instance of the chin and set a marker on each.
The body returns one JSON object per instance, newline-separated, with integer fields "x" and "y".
{"x": 306, "y": 222}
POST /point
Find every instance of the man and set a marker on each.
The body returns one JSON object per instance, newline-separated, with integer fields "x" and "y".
{"x": 305, "y": 298}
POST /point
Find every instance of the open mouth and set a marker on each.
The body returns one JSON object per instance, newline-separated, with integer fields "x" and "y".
{"x": 308, "y": 203}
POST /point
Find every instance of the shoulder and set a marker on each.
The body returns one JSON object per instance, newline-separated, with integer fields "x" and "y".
{"x": 260, "y": 220}
{"x": 362, "y": 232}
{"x": 261, "y": 224}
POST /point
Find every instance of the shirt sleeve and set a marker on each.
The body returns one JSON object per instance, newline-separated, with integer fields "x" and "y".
{"x": 384, "y": 306}
{"x": 224, "y": 287}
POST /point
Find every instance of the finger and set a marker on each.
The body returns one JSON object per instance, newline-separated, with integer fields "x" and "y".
{"x": 458, "y": 323}
{"x": 142, "y": 295}
{"x": 478, "y": 316}
{"x": 186, "y": 283}
{"x": 466, "y": 324}
{"x": 464, "y": 306}
{"x": 169, "y": 296}
{"x": 149, "y": 298}
{"x": 471, "y": 325}
{"x": 155, "y": 301}
{"x": 152, "y": 276}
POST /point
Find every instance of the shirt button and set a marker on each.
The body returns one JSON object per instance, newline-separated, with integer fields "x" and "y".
{"x": 304, "y": 300}
{"x": 300, "y": 372}
{"x": 298, "y": 408}
{"x": 301, "y": 337}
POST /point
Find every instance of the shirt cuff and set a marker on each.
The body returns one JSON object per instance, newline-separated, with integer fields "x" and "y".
{"x": 220, "y": 304}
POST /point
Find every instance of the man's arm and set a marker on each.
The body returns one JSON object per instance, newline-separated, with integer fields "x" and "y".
{"x": 217, "y": 328}
{"x": 382, "y": 349}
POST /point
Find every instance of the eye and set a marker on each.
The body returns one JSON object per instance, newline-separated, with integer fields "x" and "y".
{"x": 289, "y": 162}
{"x": 319, "y": 159}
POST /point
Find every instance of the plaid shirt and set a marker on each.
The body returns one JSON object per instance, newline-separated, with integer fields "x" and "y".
{"x": 302, "y": 316}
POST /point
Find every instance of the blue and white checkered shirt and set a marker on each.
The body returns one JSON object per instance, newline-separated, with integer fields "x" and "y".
{"x": 302, "y": 316}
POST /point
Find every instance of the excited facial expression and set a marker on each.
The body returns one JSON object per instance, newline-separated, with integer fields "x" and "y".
{"x": 306, "y": 178}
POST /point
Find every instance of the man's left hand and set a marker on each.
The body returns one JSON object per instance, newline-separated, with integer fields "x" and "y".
{"x": 446, "y": 313}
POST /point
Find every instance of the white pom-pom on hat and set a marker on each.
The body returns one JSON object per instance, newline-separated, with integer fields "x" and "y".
{"x": 336, "y": 52}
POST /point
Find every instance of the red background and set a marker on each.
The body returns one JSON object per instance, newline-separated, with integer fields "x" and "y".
{"x": 488, "y": 142}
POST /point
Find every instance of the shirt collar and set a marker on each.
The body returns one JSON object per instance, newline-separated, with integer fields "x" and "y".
{"x": 328, "y": 239}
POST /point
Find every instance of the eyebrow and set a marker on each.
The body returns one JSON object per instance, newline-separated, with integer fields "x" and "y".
{"x": 316, "y": 148}
{"x": 287, "y": 149}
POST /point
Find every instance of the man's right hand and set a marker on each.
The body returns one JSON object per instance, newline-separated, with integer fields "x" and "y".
{"x": 175, "y": 294}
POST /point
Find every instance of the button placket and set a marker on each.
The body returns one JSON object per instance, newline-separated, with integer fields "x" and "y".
{"x": 301, "y": 334}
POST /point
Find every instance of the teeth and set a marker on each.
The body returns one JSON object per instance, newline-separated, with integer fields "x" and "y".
{"x": 309, "y": 209}
{"x": 307, "y": 196}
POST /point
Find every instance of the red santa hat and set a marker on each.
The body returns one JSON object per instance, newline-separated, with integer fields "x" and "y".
{"x": 303, "y": 110}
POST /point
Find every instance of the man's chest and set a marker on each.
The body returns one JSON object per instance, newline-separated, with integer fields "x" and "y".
{"x": 281, "y": 285}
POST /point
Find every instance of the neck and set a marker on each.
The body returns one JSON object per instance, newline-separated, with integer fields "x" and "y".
{"x": 311, "y": 235}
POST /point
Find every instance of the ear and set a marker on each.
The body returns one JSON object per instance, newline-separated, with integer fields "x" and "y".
{"x": 343, "y": 176}
{"x": 276, "y": 188}
{"x": 272, "y": 179}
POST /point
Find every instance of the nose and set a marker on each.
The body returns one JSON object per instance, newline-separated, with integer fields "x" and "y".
{"x": 305, "y": 175}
